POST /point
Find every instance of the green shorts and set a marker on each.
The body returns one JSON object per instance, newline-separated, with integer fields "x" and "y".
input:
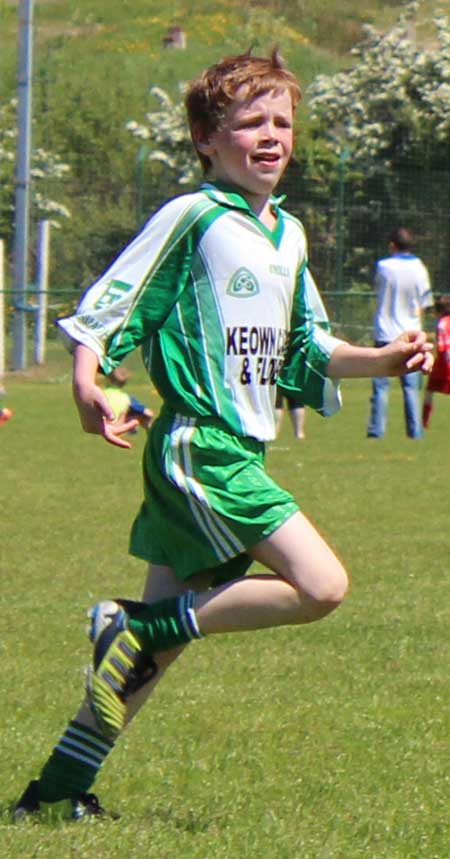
{"x": 207, "y": 498}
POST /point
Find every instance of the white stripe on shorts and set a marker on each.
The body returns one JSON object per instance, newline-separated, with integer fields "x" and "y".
{"x": 222, "y": 539}
{"x": 211, "y": 521}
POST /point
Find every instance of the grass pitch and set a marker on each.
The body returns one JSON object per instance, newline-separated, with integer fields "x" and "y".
{"x": 328, "y": 742}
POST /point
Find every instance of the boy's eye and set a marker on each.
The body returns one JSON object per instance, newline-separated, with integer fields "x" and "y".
{"x": 282, "y": 122}
{"x": 249, "y": 122}
{"x": 256, "y": 121}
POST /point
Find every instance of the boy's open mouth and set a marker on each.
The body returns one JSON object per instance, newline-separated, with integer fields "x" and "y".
{"x": 266, "y": 156}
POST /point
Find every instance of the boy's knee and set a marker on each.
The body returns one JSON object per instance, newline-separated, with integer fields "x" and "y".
{"x": 326, "y": 596}
{"x": 338, "y": 587}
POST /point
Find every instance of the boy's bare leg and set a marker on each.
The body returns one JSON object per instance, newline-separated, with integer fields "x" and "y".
{"x": 309, "y": 582}
{"x": 71, "y": 774}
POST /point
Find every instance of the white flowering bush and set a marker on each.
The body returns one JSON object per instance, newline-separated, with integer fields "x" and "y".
{"x": 394, "y": 102}
{"x": 44, "y": 166}
{"x": 167, "y": 134}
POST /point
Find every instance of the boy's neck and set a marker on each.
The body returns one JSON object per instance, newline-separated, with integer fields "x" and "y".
{"x": 262, "y": 209}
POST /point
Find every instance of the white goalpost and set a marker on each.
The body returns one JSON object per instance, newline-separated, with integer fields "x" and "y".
{"x": 40, "y": 336}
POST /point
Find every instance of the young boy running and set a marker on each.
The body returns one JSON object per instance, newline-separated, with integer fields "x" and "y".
{"x": 216, "y": 291}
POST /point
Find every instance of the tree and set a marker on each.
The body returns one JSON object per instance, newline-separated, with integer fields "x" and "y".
{"x": 393, "y": 104}
{"x": 45, "y": 170}
{"x": 167, "y": 133}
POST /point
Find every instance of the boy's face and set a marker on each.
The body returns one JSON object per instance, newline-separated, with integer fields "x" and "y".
{"x": 252, "y": 148}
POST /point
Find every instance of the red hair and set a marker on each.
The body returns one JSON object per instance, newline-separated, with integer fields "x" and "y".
{"x": 209, "y": 95}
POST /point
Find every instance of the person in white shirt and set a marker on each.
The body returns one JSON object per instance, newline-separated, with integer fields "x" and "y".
{"x": 403, "y": 289}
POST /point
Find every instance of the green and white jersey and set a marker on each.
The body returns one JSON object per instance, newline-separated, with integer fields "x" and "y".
{"x": 220, "y": 306}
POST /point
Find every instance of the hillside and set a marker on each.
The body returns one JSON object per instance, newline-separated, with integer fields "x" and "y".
{"x": 314, "y": 36}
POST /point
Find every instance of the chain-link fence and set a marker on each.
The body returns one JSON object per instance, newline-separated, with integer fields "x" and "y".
{"x": 348, "y": 227}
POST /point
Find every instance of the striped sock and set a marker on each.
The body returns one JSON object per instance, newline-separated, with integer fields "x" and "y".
{"x": 166, "y": 624}
{"x": 74, "y": 763}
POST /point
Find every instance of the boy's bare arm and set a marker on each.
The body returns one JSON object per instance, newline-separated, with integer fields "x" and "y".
{"x": 408, "y": 353}
{"x": 95, "y": 413}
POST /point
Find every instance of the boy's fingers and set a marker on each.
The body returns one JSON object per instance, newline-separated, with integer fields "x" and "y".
{"x": 414, "y": 362}
{"x": 417, "y": 340}
{"x": 427, "y": 364}
{"x": 421, "y": 361}
{"x": 110, "y": 435}
{"x": 419, "y": 348}
{"x": 114, "y": 430}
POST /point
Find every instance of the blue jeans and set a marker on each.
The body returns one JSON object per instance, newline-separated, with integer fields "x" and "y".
{"x": 411, "y": 385}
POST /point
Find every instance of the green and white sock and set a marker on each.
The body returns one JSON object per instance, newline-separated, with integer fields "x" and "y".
{"x": 74, "y": 763}
{"x": 165, "y": 624}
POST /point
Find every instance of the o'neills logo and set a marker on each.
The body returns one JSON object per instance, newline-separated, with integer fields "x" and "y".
{"x": 243, "y": 284}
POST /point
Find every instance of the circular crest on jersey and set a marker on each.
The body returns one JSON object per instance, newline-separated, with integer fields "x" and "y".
{"x": 243, "y": 284}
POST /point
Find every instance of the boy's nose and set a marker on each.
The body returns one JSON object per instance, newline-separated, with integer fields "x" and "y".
{"x": 269, "y": 130}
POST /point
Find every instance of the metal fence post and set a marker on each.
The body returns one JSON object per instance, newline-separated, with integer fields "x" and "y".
{"x": 340, "y": 223}
{"x": 23, "y": 184}
{"x": 42, "y": 286}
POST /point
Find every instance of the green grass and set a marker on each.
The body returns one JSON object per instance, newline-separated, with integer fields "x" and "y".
{"x": 329, "y": 742}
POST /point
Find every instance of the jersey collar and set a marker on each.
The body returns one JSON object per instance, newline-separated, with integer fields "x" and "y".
{"x": 226, "y": 195}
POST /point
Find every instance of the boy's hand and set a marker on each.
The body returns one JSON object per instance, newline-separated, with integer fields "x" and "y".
{"x": 97, "y": 417}
{"x": 410, "y": 352}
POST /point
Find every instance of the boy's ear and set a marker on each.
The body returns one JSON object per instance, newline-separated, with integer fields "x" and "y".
{"x": 202, "y": 140}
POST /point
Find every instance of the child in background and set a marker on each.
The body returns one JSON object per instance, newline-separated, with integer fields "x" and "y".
{"x": 216, "y": 291}
{"x": 123, "y": 404}
{"x": 439, "y": 379}
{"x": 5, "y": 415}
